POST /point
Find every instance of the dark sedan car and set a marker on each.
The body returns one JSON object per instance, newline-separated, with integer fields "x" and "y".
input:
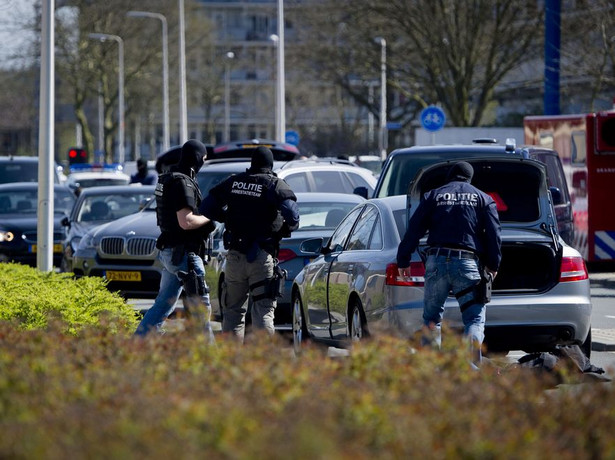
{"x": 18, "y": 221}
{"x": 99, "y": 205}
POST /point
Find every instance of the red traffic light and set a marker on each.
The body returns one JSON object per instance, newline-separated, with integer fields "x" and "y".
{"x": 77, "y": 155}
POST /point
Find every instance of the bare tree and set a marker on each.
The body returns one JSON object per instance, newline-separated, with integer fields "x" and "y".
{"x": 448, "y": 52}
{"x": 588, "y": 53}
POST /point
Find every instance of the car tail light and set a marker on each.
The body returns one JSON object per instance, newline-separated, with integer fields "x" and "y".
{"x": 572, "y": 269}
{"x": 285, "y": 255}
{"x": 417, "y": 275}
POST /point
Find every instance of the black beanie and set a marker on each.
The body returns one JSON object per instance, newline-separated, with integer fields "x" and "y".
{"x": 192, "y": 156}
{"x": 262, "y": 158}
{"x": 462, "y": 171}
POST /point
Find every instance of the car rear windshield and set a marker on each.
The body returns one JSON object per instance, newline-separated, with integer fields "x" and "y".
{"x": 515, "y": 187}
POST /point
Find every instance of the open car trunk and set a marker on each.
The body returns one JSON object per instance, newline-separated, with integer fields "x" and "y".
{"x": 531, "y": 252}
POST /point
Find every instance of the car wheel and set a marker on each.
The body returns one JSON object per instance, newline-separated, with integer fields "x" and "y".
{"x": 300, "y": 332}
{"x": 587, "y": 345}
{"x": 356, "y": 327}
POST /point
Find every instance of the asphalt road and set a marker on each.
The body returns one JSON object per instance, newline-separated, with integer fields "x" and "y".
{"x": 603, "y": 320}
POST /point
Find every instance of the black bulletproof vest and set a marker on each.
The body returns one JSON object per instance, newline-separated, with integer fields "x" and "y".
{"x": 252, "y": 206}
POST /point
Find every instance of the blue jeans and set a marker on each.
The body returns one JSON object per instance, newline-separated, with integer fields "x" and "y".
{"x": 443, "y": 275}
{"x": 170, "y": 290}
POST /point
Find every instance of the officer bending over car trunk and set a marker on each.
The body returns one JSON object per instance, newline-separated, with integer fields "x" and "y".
{"x": 181, "y": 243}
{"x": 258, "y": 210}
{"x": 463, "y": 257}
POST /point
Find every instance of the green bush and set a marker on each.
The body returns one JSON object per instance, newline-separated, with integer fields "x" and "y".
{"x": 104, "y": 395}
{"x": 33, "y": 299}
{"x": 85, "y": 391}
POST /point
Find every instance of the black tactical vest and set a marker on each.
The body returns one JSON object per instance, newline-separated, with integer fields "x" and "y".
{"x": 169, "y": 187}
{"x": 253, "y": 206}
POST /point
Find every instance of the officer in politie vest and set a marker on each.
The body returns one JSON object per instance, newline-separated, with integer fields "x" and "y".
{"x": 258, "y": 209}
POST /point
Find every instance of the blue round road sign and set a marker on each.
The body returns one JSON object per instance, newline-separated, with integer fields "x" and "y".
{"x": 432, "y": 118}
{"x": 292, "y": 137}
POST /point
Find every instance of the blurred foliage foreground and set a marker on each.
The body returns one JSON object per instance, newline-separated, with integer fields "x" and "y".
{"x": 97, "y": 392}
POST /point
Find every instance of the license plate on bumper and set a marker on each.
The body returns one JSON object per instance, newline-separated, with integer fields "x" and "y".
{"x": 57, "y": 248}
{"x": 114, "y": 275}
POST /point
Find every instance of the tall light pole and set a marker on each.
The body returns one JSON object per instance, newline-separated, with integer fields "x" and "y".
{"x": 120, "y": 88}
{"x": 183, "y": 105}
{"x": 281, "y": 73}
{"x": 166, "y": 142}
{"x": 227, "y": 95}
{"x": 382, "y": 138}
{"x": 44, "y": 227}
{"x": 278, "y": 40}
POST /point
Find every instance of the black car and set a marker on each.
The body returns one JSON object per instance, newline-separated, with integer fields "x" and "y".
{"x": 22, "y": 169}
{"x": 244, "y": 148}
{"x": 99, "y": 205}
{"x": 19, "y": 220}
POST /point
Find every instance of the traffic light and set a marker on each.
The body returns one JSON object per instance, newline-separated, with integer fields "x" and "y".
{"x": 77, "y": 155}
{"x": 605, "y": 132}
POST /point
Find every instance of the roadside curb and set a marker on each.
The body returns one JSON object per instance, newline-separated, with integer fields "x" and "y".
{"x": 603, "y": 339}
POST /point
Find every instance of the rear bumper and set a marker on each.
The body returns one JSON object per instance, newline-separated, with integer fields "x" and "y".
{"x": 512, "y": 322}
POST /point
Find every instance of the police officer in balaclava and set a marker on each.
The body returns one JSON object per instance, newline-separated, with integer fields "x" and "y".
{"x": 181, "y": 242}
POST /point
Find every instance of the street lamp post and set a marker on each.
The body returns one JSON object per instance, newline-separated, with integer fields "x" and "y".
{"x": 120, "y": 86}
{"x": 281, "y": 74}
{"x": 183, "y": 104}
{"x": 227, "y": 96}
{"x": 382, "y": 138}
{"x": 280, "y": 109}
{"x": 165, "y": 71}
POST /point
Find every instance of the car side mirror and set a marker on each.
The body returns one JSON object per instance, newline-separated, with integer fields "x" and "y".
{"x": 65, "y": 222}
{"x": 361, "y": 191}
{"x": 556, "y": 195}
{"x": 312, "y": 246}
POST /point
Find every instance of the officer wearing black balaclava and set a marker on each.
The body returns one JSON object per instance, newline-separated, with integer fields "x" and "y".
{"x": 181, "y": 242}
{"x": 464, "y": 247}
{"x": 258, "y": 209}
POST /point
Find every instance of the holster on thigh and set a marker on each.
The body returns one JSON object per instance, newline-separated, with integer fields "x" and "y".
{"x": 481, "y": 293}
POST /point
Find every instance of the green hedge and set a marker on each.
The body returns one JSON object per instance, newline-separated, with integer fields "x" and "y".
{"x": 82, "y": 390}
{"x": 108, "y": 396}
{"x": 32, "y": 299}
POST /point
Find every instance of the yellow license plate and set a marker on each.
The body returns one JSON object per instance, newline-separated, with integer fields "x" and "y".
{"x": 56, "y": 248}
{"x": 113, "y": 275}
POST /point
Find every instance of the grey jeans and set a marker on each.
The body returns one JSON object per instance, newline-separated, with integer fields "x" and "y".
{"x": 240, "y": 275}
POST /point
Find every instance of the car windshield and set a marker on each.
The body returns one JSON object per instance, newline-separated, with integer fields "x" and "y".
{"x": 322, "y": 215}
{"x": 12, "y": 171}
{"x": 26, "y": 201}
{"x": 104, "y": 208}
{"x": 207, "y": 180}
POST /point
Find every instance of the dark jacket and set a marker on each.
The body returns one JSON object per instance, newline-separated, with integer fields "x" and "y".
{"x": 457, "y": 215}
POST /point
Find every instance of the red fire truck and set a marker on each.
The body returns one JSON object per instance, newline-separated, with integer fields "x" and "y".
{"x": 586, "y": 146}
